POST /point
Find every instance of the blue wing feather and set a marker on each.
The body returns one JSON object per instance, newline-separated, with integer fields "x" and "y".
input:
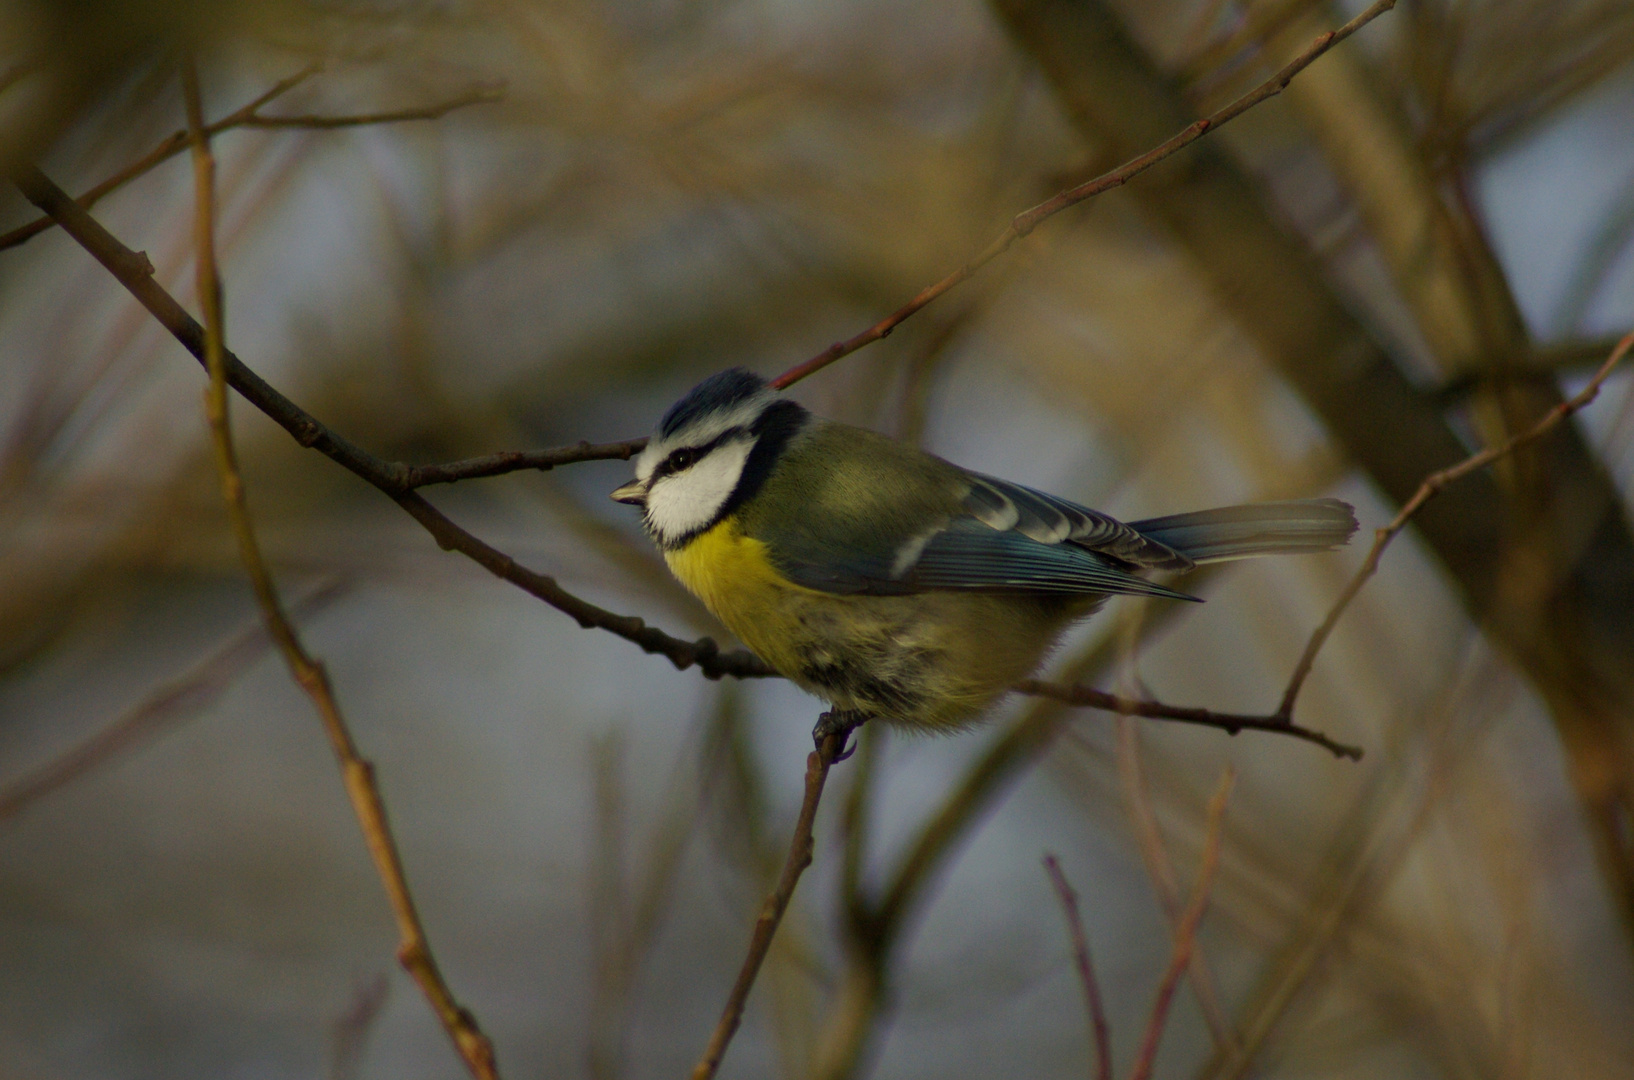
{"x": 970, "y": 555}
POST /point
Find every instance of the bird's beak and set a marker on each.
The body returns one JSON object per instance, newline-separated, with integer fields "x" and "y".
{"x": 634, "y": 493}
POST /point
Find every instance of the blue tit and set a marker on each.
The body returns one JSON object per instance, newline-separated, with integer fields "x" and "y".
{"x": 889, "y": 582}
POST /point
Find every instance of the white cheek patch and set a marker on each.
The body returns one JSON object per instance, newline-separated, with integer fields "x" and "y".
{"x": 684, "y": 503}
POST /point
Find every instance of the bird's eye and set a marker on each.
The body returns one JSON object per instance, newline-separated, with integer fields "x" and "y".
{"x": 684, "y": 458}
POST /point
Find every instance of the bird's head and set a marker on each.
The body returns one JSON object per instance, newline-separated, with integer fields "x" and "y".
{"x": 711, "y": 452}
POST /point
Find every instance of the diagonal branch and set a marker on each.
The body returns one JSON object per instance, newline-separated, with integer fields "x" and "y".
{"x": 167, "y": 704}
{"x": 1281, "y": 721}
{"x": 135, "y": 272}
{"x": 1029, "y": 220}
{"x": 1429, "y": 489}
{"x": 1086, "y": 968}
{"x": 1185, "y": 934}
{"x": 247, "y": 117}
{"x": 818, "y": 762}
{"x": 414, "y": 951}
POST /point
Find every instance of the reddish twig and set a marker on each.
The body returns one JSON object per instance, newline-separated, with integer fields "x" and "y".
{"x": 1185, "y": 934}
{"x": 1231, "y": 723}
{"x": 135, "y": 272}
{"x": 247, "y": 117}
{"x": 358, "y": 774}
{"x": 1428, "y": 490}
{"x": 1029, "y": 220}
{"x": 1156, "y": 855}
{"x": 1086, "y": 969}
{"x": 818, "y": 763}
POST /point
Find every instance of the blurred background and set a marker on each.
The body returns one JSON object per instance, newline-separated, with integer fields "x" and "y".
{"x": 1415, "y": 251}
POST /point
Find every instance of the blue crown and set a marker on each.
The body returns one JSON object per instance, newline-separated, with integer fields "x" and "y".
{"x": 717, "y": 393}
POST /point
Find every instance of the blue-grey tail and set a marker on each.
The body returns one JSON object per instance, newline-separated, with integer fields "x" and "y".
{"x": 1239, "y": 532}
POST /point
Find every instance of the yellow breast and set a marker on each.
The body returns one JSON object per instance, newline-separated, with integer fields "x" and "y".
{"x": 735, "y": 579}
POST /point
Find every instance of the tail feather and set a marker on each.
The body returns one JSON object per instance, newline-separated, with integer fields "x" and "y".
{"x": 1238, "y": 532}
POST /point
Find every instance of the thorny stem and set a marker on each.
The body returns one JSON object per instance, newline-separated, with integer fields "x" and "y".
{"x": 414, "y": 952}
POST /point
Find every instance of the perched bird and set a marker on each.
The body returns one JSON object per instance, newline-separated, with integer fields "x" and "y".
{"x": 889, "y": 582}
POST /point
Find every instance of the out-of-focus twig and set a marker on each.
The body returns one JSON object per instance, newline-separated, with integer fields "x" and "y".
{"x": 1281, "y": 720}
{"x": 1029, "y": 220}
{"x": 350, "y": 1030}
{"x": 1428, "y": 490}
{"x": 1086, "y": 968}
{"x": 1185, "y": 933}
{"x": 480, "y": 95}
{"x": 1131, "y": 774}
{"x": 818, "y": 763}
{"x": 135, "y": 272}
{"x": 169, "y": 704}
{"x": 247, "y": 117}
{"x": 413, "y": 952}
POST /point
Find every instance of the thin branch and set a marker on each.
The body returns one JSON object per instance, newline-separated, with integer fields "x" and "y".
{"x": 1086, "y": 968}
{"x": 1185, "y": 934}
{"x": 1231, "y": 723}
{"x": 480, "y": 95}
{"x": 135, "y": 272}
{"x": 818, "y": 763}
{"x": 1281, "y": 721}
{"x": 1150, "y": 840}
{"x": 1429, "y": 489}
{"x": 509, "y": 461}
{"x": 169, "y": 704}
{"x": 247, "y": 117}
{"x": 413, "y": 952}
{"x": 1029, "y": 220}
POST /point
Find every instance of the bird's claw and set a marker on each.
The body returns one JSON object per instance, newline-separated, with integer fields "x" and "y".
{"x": 839, "y": 723}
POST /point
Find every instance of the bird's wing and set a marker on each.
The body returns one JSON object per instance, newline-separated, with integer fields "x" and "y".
{"x": 1052, "y": 520}
{"x": 969, "y": 554}
{"x": 861, "y": 529}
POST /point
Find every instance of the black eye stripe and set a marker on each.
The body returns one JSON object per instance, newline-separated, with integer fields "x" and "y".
{"x": 687, "y": 456}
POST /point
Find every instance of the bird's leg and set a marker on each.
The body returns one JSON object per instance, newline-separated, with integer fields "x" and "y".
{"x": 839, "y": 722}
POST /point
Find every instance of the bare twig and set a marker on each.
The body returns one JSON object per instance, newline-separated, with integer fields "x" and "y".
{"x": 1281, "y": 721}
{"x": 1428, "y": 490}
{"x": 1029, "y": 220}
{"x": 413, "y": 952}
{"x": 509, "y": 461}
{"x": 135, "y": 272}
{"x": 1086, "y": 968}
{"x": 1185, "y": 934}
{"x": 1150, "y": 839}
{"x": 818, "y": 763}
{"x": 1231, "y": 723}
{"x": 169, "y": 704}
{"x": 247, "y": 117}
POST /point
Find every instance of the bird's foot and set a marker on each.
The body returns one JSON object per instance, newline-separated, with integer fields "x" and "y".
{"x": 839, "y": 723}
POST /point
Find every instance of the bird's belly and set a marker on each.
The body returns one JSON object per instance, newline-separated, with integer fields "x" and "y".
{"x": 931, "y": 659}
